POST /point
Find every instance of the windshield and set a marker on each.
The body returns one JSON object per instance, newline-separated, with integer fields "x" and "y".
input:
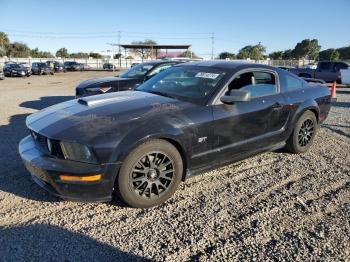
{"x": 137, "y": 71}
{"x": 193, "y": 84}
{"x": 17, "y": 66}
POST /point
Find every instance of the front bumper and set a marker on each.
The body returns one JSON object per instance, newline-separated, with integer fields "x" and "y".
{"x": 45, "y": 171}
{"x": 21, "y": 73}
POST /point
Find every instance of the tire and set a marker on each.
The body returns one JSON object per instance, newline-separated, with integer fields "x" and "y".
{"x": 304, "y": 133}
{"x": 156, "y": 182}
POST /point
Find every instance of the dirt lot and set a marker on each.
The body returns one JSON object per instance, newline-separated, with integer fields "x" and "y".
{"x": 270, "y": 207}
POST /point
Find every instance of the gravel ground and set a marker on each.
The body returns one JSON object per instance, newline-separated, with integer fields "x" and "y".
{"x": 274, "y": 206}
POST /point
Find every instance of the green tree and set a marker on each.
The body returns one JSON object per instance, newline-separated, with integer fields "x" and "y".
{"x": 244, "y": 53}
{"x": 17, "y": 49}
{"x": 4, "y": 40}
{"x": 227, "y": 55}
{"x": 95, "y": 55}
{"x": 189, "y": 54}
{"x": 255, "y": 52}
{"x": 36, "y": 53}
{"x": 329, "y": 54}
{"x": 148, "y": 51}
{"x": 117, "y": 56}
{"x": 79, "y": 55}
{"x": 287, "y": 54}
{"x": 277, "y": 55}
{"x": 307, "y": 48}
{"x": 62, "y": 52}
{"x": 335, "y": 55}
{"x": 344, "y": 52}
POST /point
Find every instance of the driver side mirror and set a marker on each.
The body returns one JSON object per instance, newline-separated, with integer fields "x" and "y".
{"x": 236, "y": 96}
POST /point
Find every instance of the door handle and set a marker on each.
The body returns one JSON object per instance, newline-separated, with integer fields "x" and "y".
{"x": 276, "y": 105}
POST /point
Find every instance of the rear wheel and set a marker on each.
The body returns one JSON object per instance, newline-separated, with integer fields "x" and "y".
{"x": 150, "y": 174}
{"x": 303, "y": 134}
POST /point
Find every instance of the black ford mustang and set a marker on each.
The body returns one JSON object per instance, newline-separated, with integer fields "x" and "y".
{"x": 186, "y": 120}
{"x": 129, "y": 80}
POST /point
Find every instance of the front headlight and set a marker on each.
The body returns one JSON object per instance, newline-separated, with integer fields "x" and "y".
{"x": 77, "y": 152}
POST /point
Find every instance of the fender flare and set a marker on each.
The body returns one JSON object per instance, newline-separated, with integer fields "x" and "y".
{"x": 309, "y": 104}
{"x": 142, "y": 134}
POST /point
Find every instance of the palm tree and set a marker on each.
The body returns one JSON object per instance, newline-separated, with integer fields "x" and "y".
{"x": 4, "y": 40}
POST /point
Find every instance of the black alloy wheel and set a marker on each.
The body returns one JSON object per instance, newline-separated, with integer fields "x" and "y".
{"x": 306, "y": 132}
{"x": 150, "y": 174}
{"x": 303, "y": 133}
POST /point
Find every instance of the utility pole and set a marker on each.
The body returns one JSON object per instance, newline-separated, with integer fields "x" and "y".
{"x": 120, "y": 54}
{"x": 212, "y": 45}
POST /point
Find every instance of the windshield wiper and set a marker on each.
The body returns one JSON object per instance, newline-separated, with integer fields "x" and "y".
{"x": 161, "y": 94}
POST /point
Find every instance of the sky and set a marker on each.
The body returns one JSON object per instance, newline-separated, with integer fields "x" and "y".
{"x": 91, "y": 25}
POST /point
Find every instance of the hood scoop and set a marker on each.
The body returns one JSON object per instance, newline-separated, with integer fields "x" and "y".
{"x": 97, "y": 100}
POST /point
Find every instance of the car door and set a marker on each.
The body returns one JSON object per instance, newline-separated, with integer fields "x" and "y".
{"x": 34, "y": 70}
{"x": 325, "y": 71}
{"x": 7, "y": 70}
{"x": 246, "y": 127}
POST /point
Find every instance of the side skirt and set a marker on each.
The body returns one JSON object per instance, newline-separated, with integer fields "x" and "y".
{"x": 195, "y": 172}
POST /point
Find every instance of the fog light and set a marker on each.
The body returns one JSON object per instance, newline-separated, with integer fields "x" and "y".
{"x": 81, "y": 178}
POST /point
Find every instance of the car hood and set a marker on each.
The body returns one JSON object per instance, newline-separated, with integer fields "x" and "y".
{"x": 20, "y": 69}
{"x": 103, "y": 80}
{"x": 91, "y": 119}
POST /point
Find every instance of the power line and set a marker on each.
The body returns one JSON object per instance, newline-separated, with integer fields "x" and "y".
{"x": 131, "y": 33}
{"x": 100, "y": 36}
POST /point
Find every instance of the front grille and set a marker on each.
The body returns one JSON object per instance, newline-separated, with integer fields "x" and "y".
{"x": 41, "y": 141}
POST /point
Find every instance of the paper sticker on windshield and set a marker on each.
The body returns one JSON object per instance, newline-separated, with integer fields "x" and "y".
{"x": 207, "y": 75}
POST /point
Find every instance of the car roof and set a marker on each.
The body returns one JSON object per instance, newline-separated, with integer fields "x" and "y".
{"x": 156, "y": 62}
{"x": 227, "y": 65}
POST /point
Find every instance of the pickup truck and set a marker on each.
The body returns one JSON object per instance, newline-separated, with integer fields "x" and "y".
{"x": 328, "y": 71}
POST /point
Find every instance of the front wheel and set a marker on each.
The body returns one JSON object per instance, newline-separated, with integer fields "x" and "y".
{"x": 150, "y": 174}
{"x": 303, "y": 134}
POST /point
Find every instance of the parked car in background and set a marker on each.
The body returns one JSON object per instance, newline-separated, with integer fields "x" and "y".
{"x": 315, "y": 81}
{"x": 184, "y": 121}
{"x": 57, "y": 66}
{"x": 41, "y": 68}
{"x": 126, "y": 81}
{"x": 328, "y": 71}
{"x": 2, "y": 76}
{"x": 287, "y": 68}
{"x": 85, "y": 66}
{"x": 72, "y": 66}
{"x": 14, "y": 69}
{"x": 310, "y": 66}
{"x": 109, "y": 66}
{"x": 25, "y": 65}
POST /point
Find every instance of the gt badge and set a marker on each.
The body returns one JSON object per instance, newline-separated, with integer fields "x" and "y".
{"x": 202, "y": 139}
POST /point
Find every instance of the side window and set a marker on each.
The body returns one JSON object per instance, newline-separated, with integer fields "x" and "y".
{"x": 159, "y": 69}
{"x": 325, "y": 65}
{"x": 338, "y": 66}
{"x": 258, "y": 83}
{"x": 293, "y": 83}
